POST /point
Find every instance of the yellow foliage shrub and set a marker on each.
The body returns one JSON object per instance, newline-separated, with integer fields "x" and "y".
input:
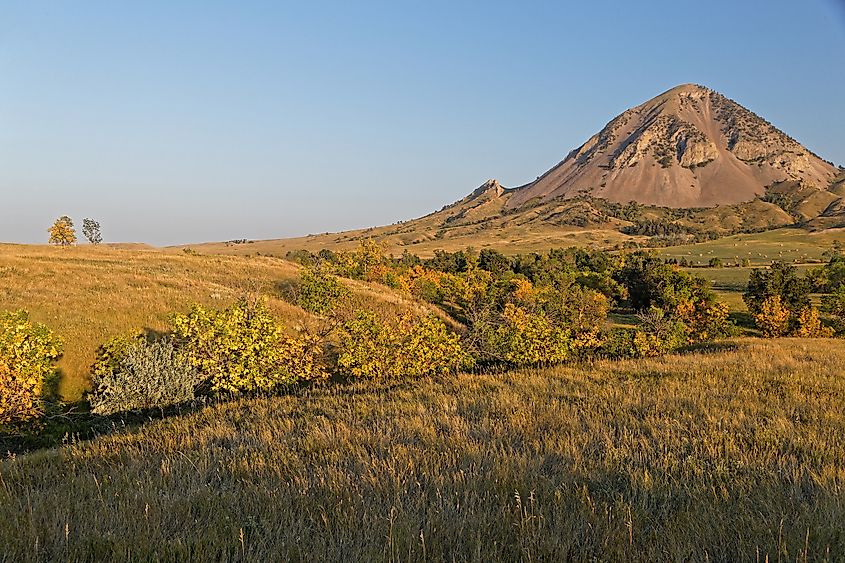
{"x": 809, "y": 325}
{"x": 27, "y": 353}
{"x": 704, "y": 320}
{"x": 773, "y": 317}
{"x": 658, "y": 334}
{"x": 411, "y": 346}
{"x": 17, "y": 397}
{"x": 244, "y": 349}
{"x": 527, "y": 339}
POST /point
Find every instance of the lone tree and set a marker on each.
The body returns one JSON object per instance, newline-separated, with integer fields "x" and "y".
{"x": 91, "y": 231}
{"x": 62, "y": 232}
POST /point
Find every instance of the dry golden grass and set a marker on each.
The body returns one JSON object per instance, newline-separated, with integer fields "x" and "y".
{"x": 88, "y": 295}
{"x": 512, "y": 239}
{"x": 732, "y": 455}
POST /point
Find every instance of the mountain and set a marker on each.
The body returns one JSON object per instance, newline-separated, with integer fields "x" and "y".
{"x": 685, "y": 166}
{"x": 688, "y": 147}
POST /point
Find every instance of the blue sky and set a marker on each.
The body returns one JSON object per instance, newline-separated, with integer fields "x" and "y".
{"x": 188, "y": 121}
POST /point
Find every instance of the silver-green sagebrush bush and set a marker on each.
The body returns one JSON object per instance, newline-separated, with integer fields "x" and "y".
{"x": 136, "y": 374}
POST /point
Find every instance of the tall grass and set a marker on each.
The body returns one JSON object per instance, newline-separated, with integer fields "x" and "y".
{"x": 735, "y": 454}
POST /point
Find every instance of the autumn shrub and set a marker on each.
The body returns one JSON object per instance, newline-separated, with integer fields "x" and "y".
{"x": 520, "y": 337}
{"x": 705, "y": 318}
{"x": 367, "y": 262}
{"x": 320, "y": 292}
{"x": 18, "y": 398}
{"x": 658, "y": 334}
{"x": 617, "y": 344}
{"x": 808, "y": 324}
{"x": 27, "y": 354}
{"x": 772, "y": 317}
{"x": 410, "y": 346}
{"x": 243, "y": 348}
{"x": 136, "y": 373}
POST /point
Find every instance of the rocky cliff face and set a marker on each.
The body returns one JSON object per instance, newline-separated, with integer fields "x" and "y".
{"x": 688, "y": 147}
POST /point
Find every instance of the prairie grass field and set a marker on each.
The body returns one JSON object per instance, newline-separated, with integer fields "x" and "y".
{"x": 735, "y": 453}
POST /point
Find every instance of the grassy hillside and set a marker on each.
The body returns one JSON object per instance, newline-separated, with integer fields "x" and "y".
{"x": 518, "y": 238}
{"x": 88, "y": 295}
{"x": 737, "y": 454}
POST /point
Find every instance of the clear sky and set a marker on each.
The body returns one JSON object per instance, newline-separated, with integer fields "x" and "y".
{"x": 184, "y": 121}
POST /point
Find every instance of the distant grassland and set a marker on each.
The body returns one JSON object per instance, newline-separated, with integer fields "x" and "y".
{"x": 790, "y": 245}
{"x": 88, "y": 295}
{"x": 512, "y": 240}
{"x": 760, "y": 248}
{"x": 737, "y": 454}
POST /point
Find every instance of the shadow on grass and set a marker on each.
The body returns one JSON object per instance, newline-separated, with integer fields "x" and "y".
{"x": 65, "y": 423}
{"x": 69, "y": 423}
{"x": 745, "y": 322}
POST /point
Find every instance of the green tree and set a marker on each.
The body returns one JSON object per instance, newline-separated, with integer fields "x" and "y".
{"x": 320, "y": 292}
{"x": 91, "y": 231}
{"x": 834, "y": 304}
{"x": 780, "y": 280}
{"x": 651, "y": 283}
{"x": 494, "y": 262}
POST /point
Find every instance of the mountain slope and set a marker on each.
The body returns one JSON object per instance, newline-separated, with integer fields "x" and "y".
{"x": 688, "y": 147}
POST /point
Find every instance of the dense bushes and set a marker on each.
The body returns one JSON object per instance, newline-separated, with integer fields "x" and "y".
{"x": 834, "y": 304}
{"x": 236, "y": 350}
{"x": 652, "y": 283}
{"x": 779, "y": 299}
{"x": 410, "y": 346}
{"x": 809, "y": 325}
{"x": 705, "y": 317}
{"x": 772, "y": 317}
{"x": 779, "y": 280}
{"x": 136, "y": 373}
{"x": 319, "y": 292}
{"x": 27, "y": 353}
{"x": 243, "y": 348}
{"x": 562, "y": 297}
{"x": 658, "y": 334}
{"x": 523, "y": 338}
